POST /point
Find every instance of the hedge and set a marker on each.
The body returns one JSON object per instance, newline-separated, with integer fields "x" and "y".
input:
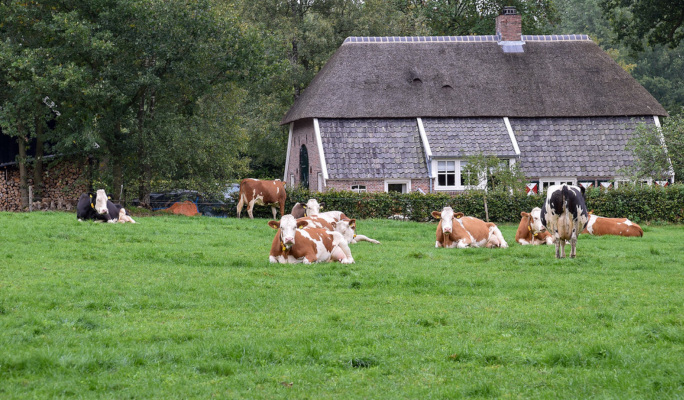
{"x": 636, "y": 203}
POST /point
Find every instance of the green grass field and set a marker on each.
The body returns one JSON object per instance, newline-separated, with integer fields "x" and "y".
{"x": 177, "y": 307}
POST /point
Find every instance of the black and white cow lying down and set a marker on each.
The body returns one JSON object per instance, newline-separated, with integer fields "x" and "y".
{"x": 98, "y": 207}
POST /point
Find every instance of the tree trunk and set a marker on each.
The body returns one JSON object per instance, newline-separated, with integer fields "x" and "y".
{"x": 23, "y": 176}
{"x": 38, "y": 165}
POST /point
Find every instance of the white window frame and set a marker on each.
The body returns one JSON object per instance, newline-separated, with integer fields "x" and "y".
{"x": 435, "y": 166}
{"x": 555, "y": 181}
{"x": 626, "y": 181}
{"x": 358, "y": 189}
{"x": 406, "y": 182}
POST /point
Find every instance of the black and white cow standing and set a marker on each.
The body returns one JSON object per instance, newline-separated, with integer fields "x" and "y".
{"x": 564, "y": 215}
{"x": 97, "y": 207}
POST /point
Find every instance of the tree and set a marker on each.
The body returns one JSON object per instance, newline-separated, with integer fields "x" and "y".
{"x": 657, "y": 152}
{"x": 653, "y": 21}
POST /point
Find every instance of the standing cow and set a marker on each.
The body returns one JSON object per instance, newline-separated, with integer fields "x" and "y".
{"x": 97, "y": 207}
{"x": 255, "y": 191}
{"x": 457, "y": 230}
{"x": 564, "y": 215}
{"x": 294, "y": 244}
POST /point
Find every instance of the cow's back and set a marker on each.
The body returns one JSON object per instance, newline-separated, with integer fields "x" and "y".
{"x": 476, "y": 227}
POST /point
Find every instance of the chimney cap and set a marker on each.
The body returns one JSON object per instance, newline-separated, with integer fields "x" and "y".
{"x": 509, "y": 10}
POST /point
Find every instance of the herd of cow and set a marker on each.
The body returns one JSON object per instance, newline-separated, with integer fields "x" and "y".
{"x": 308, "y": 235}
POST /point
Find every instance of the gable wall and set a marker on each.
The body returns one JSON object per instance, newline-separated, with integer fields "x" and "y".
{"x": 303, "y": 133}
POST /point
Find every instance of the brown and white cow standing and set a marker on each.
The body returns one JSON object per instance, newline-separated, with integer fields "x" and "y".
{"x": 457, "y": 230}
{"x": 293, "y": 244}
{"x": 599, "y": 226}
{"x": 255, "y": 191}
{"x": 313, "y": 209}
{"x": 531, "y": 231}
{"x": 564, "y": 215}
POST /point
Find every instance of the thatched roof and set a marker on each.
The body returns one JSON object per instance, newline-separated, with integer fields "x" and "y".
{"x": 568, "y": 76}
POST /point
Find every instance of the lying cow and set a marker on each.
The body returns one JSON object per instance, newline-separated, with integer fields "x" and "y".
{"x": 255, "y": 191}
{"x": 298, "y": 210}
{"x": 97, "y": 207}
{"x": 457, "y": 230}
{"x": 313, "y": 209}
{"x": 293, "y": 244}
{"x": 531, "y": 231}
{"x": 564, "y": 215}
{"x": 599, "y": 226}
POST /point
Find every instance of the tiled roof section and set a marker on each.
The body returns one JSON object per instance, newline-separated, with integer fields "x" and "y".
{"x": 373, "y": 148}
{"x": 575, "y": 147}
{"x": 472, "y": 38}
{"x": 462, "y": 137}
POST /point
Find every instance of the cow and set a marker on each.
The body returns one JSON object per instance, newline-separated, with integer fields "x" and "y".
{"x": 97, "y": 207}
{"x": 313, "y": 209}
{"x": 531, "y": 231}
{"x": 564, "y": 215}
{"x": 255, "y": 191}
{"x": 298, "y": 210}
{"x": 599, "y": 226}
{"x": 457, "y": 230}
{"x": 124, "y": 216}
{"x": 293, "y": 244}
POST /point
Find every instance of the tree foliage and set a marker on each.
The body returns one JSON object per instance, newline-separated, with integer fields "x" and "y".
{"x": 657, "y": 22}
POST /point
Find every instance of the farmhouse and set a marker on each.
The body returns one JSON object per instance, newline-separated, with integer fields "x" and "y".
{"x": 404, "y": 113}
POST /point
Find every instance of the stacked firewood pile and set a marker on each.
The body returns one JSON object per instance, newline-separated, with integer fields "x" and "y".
{"x": 62, "y": 186}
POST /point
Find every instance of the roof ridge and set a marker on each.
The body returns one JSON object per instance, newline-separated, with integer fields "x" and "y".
{"x": 470, "y": 38}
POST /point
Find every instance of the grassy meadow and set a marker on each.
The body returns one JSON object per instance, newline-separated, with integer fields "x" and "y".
{"x": 178, "y": 307}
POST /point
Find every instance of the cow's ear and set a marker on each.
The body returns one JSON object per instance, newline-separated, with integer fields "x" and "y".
{"x": 458, "y": 215}
{"x": 304, "y": 207}
{"x": 333, "y": 224}
{"x": 109, "y": 197}
{"x": 524, "y": 214}
{"x": 436, "y": 214}
{"x": 302, "y": 224}
{"x": 274, "y": 224}
{"x": 591, "y": 212}
{"x": 352, "y": 223}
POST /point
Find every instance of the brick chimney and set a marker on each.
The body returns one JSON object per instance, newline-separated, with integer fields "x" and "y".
{"x": 509, "y": 25}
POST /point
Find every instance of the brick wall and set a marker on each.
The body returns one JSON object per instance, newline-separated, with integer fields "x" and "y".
{"x": 375, "y": 185}
{"x": 303, "y": 133}
{"x": 509, "y": 27}
{"x": 63, "y": 184}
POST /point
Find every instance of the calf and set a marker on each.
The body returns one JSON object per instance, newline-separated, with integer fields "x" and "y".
{"x": 97, "y": 207}
{"x": 293, "y": 244}
{"x": 531, "y": 231}
{"x": 255, "y": 191}
{"x": 456, "y": 230}
{"x": 313, "y": 209}
{"x": 599, "y": 226}
{"x": 564, "y": 215}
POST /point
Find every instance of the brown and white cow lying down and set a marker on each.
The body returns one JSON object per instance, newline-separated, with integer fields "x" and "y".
{"x": 255, "y": 191}
{"x": 313, "y": 209}
{"x": 457, "y": 230}
{"x": 294, "y": 244}
{"x": 531, "y": 231}
{"x": 599, "y": 226}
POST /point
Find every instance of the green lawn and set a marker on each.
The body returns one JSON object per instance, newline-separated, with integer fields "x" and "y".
{"x": 177, "y": 307}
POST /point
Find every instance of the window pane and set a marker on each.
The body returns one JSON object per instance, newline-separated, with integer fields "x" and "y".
{"x": 451, "y": 180}
{"x": 441, "y": 166}
{"x": 441, "y": 179}
{"x": 451, "y": 166}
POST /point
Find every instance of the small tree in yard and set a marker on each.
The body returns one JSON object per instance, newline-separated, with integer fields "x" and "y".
{"x": 494, "y": 175}
{"x": 657, "y": 152}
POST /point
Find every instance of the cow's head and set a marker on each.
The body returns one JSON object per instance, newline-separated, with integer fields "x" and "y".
{"x": 100, "y": 203}
{"x": 447, "y": 216}
{"x": 535, "y": 220}
{"x": 312, "y": 208}
{"x": 347, "y": 227}
{"x": 287, "y": 225}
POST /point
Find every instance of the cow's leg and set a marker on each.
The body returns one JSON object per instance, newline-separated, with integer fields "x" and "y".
{"x": 250, "y": 208}
{"x": 573, "y": 245}
{"x": 274, "y": 210}
{"x": 563, "y": 242}
{"x": 558, "y": 246}
{"x": 241, "y": 203}
{"x": 437, "y": 244}
{"x": 364, "y": 238}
